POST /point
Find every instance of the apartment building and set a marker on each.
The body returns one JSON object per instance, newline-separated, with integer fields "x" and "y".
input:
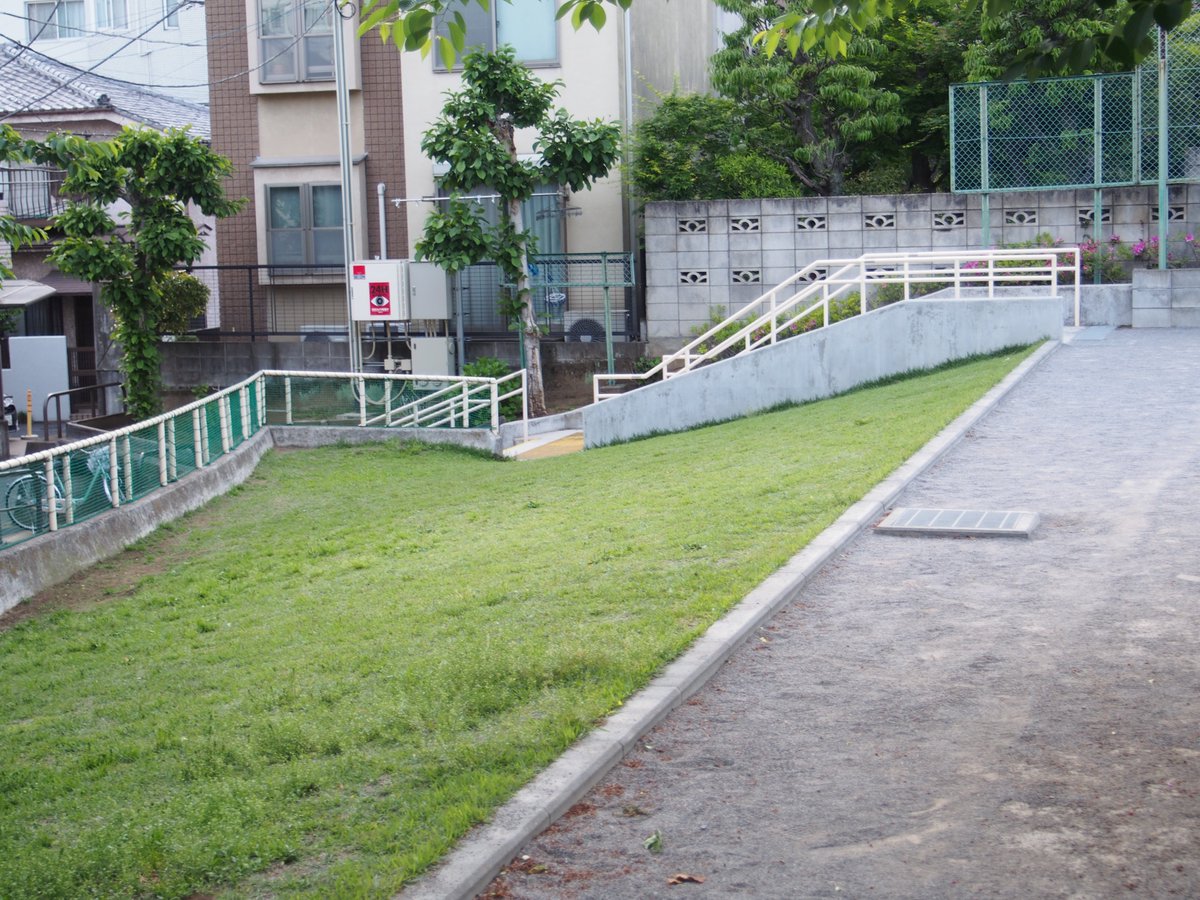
{"x": 153, "y": 44}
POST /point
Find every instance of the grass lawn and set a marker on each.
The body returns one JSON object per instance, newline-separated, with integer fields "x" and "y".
{"x": 334, "y": 671}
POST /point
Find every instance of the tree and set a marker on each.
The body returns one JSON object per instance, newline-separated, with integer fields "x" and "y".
{"x": 697, "y": 147}
{"x": 1030, "y": 25}
{"x": 832, "y": 24}
{"x": 133, "y": 255}
{"x": 476, "y": 138}
{"x": 15, "y": 149}
{"x": 829, "y": 107}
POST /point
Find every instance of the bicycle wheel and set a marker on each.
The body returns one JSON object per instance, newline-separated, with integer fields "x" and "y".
{"x": 26, "y": 500}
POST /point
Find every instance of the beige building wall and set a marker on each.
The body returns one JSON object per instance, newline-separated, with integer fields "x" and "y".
{"x": 591, "y": 69}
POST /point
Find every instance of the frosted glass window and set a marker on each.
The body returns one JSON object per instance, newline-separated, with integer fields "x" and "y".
{"x": 528, "y": 26}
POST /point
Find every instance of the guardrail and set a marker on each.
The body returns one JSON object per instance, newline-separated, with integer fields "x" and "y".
{"x": 802, "y": 302}
{"x": 54, "y": 489}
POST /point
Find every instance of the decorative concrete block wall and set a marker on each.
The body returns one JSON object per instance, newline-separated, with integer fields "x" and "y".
{"x": 1166, "y": 299}
{"x": 701, "y": 256}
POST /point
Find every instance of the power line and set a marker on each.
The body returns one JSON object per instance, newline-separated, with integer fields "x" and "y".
{"x": 151, "y": 87}
{"x": 45, "y": 22}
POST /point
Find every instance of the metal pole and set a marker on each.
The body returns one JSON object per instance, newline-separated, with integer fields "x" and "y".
{"x": 608, "y": 341}
{"x": 346, "y": 163}
{"x": 1164, "y": 209}
{"x": 984, "y": 176}
{"x": 1097, "y": 174}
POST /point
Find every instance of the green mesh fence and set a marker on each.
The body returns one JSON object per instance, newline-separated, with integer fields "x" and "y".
{"x": 1086, "y": 132}
{"x": 59, "y": 488}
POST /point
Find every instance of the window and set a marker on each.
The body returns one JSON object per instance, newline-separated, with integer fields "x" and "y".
{"x": 171, "y": 13}
{"x": 528, "y": 26}
{"x": 295, "y": 40}
{"x": 48, "y": 21}
{"x": 111, "y": 14}
{"x": 304, "y": 224}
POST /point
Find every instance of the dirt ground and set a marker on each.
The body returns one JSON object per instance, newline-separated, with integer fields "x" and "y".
{"x": 952, "y": 717}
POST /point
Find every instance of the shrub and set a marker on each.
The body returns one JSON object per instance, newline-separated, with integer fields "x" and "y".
{"x": 490, "y": 367}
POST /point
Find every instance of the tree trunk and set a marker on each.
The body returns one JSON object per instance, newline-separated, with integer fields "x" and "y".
{"x": 531, "y": 335}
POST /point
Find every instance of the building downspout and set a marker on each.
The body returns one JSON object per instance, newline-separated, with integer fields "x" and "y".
{"x": 381, "y": 194}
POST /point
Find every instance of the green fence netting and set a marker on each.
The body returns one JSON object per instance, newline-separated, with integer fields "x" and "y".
{"x": 59, "y": 488}
{"x": 1085, "y": 132}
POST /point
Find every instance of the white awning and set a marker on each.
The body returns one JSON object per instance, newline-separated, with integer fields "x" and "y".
{"x": 21, "y": 292}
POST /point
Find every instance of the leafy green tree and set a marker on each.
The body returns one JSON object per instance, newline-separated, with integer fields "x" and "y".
{"x": 830, "y": 24}
{"x": 1028, "y": 26}
{"x": 133, "y": 254}
{"x": 15, "y": 149}
{"x": 828, "y": 107}
{"x": 697, "y": 147}
{"x": 475, "y": 138}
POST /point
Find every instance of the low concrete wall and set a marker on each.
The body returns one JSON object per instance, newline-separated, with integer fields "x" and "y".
{"x": 31, "y": 567}
{"x": 1100, "y": 304}
{"x": 306, "y": 437}
{"x": 1166, "y": 298}
{"x": 186, "y": 364}
{"x": 899, "y": 338}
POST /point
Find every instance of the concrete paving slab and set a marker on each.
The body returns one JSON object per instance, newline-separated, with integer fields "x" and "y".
{"x": 953, "y": 717}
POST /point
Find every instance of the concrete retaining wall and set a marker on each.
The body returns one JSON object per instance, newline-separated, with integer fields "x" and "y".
{"x": 1166, "y": 299}
{"x": 725, "y": 253}
{"x": 31, "y": 567}
{"x": 903, "y": 337}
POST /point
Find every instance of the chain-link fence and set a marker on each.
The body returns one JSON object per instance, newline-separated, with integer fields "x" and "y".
{"x": 1084, "y": 132}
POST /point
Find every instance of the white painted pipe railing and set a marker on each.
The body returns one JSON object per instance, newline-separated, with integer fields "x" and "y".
{"x": 767, "y": 319}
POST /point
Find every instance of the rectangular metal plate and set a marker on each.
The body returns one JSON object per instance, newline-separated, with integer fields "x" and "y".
{"x": 975, "y": 522}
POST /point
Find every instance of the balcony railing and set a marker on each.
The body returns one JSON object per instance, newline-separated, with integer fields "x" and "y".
{"x": 32, "y": 192}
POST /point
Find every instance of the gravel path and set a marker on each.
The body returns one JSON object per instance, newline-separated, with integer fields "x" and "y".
{"x": 939, "y": 717}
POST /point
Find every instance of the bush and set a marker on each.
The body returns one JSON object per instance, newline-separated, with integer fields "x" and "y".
{"x": 748, "y": 175}
{"x": 490, "y": 367}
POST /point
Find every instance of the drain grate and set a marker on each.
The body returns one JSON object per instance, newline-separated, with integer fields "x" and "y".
{"x": 976, "y": 522}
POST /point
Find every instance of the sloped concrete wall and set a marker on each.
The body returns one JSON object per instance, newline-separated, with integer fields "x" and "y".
{"x": 900, "y": 338}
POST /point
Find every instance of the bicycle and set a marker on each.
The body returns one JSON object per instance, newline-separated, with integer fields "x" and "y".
{"x": 28, "y": 498}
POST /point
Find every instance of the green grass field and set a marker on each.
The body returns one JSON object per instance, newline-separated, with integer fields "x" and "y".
{"x": 338, "y": 668}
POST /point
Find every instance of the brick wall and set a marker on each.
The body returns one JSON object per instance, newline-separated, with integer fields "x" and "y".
{"x": 384, "y": 133}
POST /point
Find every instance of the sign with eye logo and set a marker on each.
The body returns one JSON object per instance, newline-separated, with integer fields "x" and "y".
{"x": 381, "y": 298}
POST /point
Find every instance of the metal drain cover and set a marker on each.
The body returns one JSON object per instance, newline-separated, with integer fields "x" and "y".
{"x": 975, "y": 522}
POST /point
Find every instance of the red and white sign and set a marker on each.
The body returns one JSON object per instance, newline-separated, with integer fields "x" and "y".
{"x": 359, "y": 271}
{"x": 381, "y": 298}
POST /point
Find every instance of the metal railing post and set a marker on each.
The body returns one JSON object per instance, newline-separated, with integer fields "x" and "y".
{"x": 162, "y": 453}
{"x": 172, "y": 450}
{"x": 362, "y": 401}
{"x": 287, "y": 399}
{"x": 197, "y": 439}
{"x": 525, "y": 401}
{"x": 223, "y": 416}
{"x": 68, "y": 490}
{"x": 114, "y": 482}
{"x": 245, "y": 395}
{"x": 51, "y": 504}
{"x": 466, "y": 404}
{"x": 494, "y": 393}
{"x": 127, "y": 459}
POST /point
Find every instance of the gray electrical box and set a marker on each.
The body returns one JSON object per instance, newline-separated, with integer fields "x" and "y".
{"x": 428, "y": 291}
{"x": 432, "y": 356}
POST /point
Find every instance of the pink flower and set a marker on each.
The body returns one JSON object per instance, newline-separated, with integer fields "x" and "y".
{"x": 1190, "y": 238}
{"x": 1139, "y": 247}
{"x": 1114, "y": 239}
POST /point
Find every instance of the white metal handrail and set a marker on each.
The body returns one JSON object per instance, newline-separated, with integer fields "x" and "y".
{"x": 768, "y": 318}
{"x": 156, "y": 439}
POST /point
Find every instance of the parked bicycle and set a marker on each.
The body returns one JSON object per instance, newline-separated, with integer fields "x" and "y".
{"x": 29, "y": 498}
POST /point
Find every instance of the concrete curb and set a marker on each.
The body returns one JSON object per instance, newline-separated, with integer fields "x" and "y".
{"x": 479, "y": 857}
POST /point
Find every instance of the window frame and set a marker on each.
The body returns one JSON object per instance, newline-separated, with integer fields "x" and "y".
{"x": 105, "y": 17}
{"x": 494, "y": 10}
{"x": 53, "y": 29}
{"x": 308, "y": 229}
{"x": 299, "y": 39}
{"x": 171, "y": 8}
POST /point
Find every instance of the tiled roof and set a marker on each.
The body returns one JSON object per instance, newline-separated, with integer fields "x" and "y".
{"x": 32, "y": 83}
